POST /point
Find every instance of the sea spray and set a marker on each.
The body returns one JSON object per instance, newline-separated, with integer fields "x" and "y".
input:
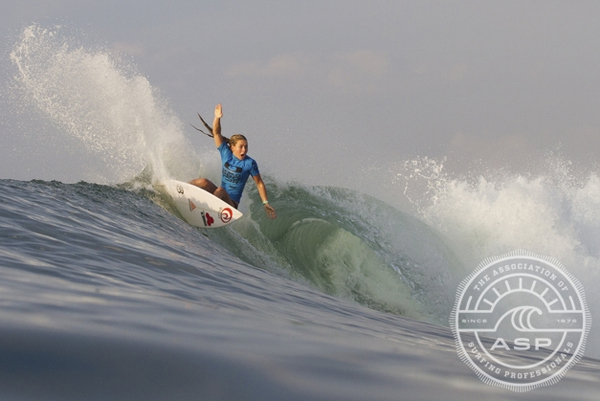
{"x": 554, "y": 211}
{"x": 93, "y": 96}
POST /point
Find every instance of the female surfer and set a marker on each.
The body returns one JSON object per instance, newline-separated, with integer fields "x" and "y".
{"x": 236, "y": 167}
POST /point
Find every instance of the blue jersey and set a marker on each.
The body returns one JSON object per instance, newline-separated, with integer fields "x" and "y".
{"x": 235, "y": 172}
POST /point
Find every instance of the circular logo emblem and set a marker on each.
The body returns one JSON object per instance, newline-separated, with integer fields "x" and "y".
{"x": 226, "y": 215}
{"x": 520, "y": 321}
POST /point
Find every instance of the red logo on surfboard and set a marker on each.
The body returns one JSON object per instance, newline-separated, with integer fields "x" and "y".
{"x": 208, "y": 219}
{"x": 226, "y": 215}
{"x": 191, "y": 204}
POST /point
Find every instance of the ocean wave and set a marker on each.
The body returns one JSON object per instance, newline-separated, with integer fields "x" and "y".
{"x": 350, "y": 245}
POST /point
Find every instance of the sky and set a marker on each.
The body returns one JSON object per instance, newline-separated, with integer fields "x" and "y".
{"x": 335, "y": 92}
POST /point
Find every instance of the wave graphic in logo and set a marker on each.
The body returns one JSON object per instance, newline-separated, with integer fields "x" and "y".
{"x": 520, "y": 321}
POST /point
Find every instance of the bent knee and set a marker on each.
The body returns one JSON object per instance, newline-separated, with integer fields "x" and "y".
{"x": 221, "y": 193}
{"x": 205, "y": 184}
{"x": 199, "y": 182}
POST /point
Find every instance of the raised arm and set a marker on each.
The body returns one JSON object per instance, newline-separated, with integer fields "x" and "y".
{"x": 216, "y": 130}
{"x": 217, "y": 126}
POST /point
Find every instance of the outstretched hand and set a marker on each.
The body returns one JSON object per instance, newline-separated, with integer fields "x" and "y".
{"x": 218, "y": 111}
{"x": 270, "y": 211}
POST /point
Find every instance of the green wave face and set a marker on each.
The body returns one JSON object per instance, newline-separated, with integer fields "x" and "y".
{"x": 348, "y": 245}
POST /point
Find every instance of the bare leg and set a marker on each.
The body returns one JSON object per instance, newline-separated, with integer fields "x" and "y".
{"x": 219, "y": 192}
{"x": 222, "y": 194}
{"x": 205, "y": 184}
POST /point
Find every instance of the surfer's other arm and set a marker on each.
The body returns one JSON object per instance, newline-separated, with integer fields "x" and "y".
{"x": 262, "y": 191}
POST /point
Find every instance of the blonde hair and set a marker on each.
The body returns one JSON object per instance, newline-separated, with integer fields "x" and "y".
{"x": 235, "y": 139}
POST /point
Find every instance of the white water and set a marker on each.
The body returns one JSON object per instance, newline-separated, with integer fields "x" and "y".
{"x": 101, "y": 101}
{"x": 554, "y": 212}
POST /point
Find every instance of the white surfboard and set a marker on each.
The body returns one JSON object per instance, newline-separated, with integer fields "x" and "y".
{"x": 199, "y": 207}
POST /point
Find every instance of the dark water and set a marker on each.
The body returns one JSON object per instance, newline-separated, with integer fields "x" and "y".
{"x": 107, "y": 296}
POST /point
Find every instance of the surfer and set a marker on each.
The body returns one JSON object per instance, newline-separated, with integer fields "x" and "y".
{"x": 236, "y": 167}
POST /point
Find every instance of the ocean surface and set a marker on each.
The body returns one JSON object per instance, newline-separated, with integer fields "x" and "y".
{"x": 107, "y": 294}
